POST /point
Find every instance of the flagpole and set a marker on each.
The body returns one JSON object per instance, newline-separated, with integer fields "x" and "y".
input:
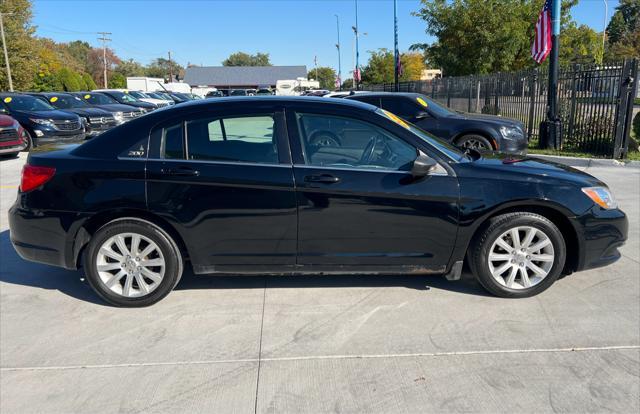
{"x": 553, "y": 126}
{"x": 339, "y": 52}
{"x": 396, "y": 58}
{"x": 357, "y": 83}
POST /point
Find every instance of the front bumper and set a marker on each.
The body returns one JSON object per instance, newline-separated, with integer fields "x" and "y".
{"x": 517, "y": 147}
{"x": 601, "y": 233}
{"x": 12, "y": 147}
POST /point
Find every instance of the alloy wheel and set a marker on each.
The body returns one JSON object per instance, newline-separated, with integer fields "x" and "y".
{"x": 130, "y": 265}
{"x": 474, "y": 144}
{"x": 521, "y": 257}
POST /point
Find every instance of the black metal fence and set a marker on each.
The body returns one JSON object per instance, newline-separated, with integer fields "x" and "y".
{"x": 595, "y": 102}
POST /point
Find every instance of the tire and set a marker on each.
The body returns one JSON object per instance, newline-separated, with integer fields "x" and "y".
{"x": 493, "y": 265}
{"x": 474, "y": 141}
{"x": 29, "y": 142}
{"x": 128, "y": 282}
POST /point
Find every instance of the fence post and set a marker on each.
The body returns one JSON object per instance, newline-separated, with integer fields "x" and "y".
{"x": 574, "y": 98}
{"x": 533, "y": 83}
{"x": 448, "y": 94}
{"x": 495, "y": 95}
{"x": 478, "y": 97}
{"x": 470, "y": 93}
{"x": 433, "y": 89}
{"x": 628, "y": 85}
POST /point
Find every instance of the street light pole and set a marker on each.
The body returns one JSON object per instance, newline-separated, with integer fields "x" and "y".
{"x": 553, "y": 127}
{"x": 339, "y": 53}
{"x": 604, "y": 28}
{"x": 396, "y": 57}
{"x": 6, "y": 54}
{"x": 356, "y": 72}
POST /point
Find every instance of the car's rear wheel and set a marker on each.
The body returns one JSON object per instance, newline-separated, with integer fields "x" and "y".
{"x": 473, "y": 141}
{"x": 29, "y": 140}
{"x": 132, "y": 263}
{"x": 518, "y": 255}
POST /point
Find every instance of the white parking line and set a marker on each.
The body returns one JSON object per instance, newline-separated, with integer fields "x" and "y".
{"x": 323, "y": 357}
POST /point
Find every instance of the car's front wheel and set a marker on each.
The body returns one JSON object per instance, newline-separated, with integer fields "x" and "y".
{"x": 473, "y": 141}
{"x": 518, "y": 255}
{"x": 132, "y": 263}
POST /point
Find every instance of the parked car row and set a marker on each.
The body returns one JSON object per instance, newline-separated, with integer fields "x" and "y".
{"x": 260, "y": 91}
{"x": 73, "y": 116}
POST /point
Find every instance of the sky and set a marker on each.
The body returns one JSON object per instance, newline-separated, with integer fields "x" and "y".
{"x": 205, "y": 32}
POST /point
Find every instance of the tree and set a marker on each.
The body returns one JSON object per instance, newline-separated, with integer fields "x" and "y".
{"x": 380, "y": 67}
{"x": 623, "y": 31}
{"x": 130, "y": 68}
{"x": 161, "y": 67}
{"x": 20, "y": 45}
{"x": 325, "y": 75}
{"x": 95, "y": 64}
{"x": 89, "y": 82}
{"x": 580, "y": 44}
{"x": 117, "y": 81}
{"x": 245, "y": 59}
{"x": 71, "y": 81}
{"x": 347, "y": 84}
{"x": 480, "y": 36}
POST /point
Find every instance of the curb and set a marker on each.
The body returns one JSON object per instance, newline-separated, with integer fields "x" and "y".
{"x": 587, "y": 162}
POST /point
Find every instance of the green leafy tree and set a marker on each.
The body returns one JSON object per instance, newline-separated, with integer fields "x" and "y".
{"x": 481, "y": 36}
{"x": 130, "y": 68}
{"x": 580, "y": 44}
{"x": 160, "y": 68}
{"x": 79, "y": 51}
{"x": 245, "y": 59}
{"x": 89, "y": 82}
{"x": 325, "y": 75}
{"x": 21, "y": 45}
{"x": 623, "y": 31}
{"x": 347, "y": 84}
{"x": 117, "y": 81}
{"x": 71, "y": 81}
{"x": 380, "y": 67}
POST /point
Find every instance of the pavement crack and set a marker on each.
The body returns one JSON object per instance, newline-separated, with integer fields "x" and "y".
{"x": 264, "y": 299}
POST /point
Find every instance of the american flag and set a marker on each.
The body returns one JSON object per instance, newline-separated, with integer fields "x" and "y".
{"x": 399, "y": 64}
{"x": 356, "y": 74}
{"x": 542, "y": 42}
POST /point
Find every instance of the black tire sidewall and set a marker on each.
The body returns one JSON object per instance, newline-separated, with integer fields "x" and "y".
{"x": 173, "y": 264}
{"x": 464, "y": 138}
{"x": 497, "y": 227}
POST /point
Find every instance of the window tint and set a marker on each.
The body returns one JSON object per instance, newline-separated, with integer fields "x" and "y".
{"x": 400, "y": 106}
{"x": 332, "y": 141}
{"x": 172, "y": 142}
{"x": 368, "y": 99}
{"x": 241, "y": 139}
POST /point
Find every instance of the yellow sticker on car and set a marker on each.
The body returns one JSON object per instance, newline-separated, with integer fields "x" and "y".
{"x": 396, "y": 119}
{"x": 7, "y": 99}
{"x": 126, "y": 91}
{"x": 422, "y": 102}
{"x": 87, "y": 96}
{"x": 55, "y": 98}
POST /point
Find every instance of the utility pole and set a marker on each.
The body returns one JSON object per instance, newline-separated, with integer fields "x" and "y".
{"x": 315, "y": 63}
{"x": 396, "y": 56}
{"x": 104, "y": 40}
{"x": 553, "y": 127}
{"x": 170, "y": 68}
{"x": 339, "y": 53}
{"x": 604, "y": 29}
{"x": 6, "y": 54}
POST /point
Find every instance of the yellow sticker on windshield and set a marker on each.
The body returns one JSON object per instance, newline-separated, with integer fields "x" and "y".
{"x": 87, "y": 96}
{"x": 55, "y": 98}
{"x": 126, "y": 91}
{"x": 7, "y": 99}
{"x": 396, "y": 119}
{"x": 422, "y": 102}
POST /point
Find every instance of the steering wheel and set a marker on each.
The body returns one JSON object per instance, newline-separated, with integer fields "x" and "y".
{"x": 369, "y": 150}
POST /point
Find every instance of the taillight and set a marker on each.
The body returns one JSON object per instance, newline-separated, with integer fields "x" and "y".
{"x": 33, "y": 177}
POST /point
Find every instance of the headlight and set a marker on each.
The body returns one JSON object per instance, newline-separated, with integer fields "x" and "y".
{"x": 46, "y": 122}
{"x": 601, "y": 196}
{"x": 511, "y": 132}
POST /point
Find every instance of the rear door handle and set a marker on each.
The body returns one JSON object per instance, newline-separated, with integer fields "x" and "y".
{"x": 180, "y": 172}
{"x": 322, "y": 178}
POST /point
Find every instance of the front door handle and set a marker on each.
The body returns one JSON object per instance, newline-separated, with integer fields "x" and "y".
{"x": 322, "y": 178}
{"x": 180, "y": 172}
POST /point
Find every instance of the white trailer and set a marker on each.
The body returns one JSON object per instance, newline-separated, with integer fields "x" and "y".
{"x": 144, "y": 84}
{"x": 295, "y": 86}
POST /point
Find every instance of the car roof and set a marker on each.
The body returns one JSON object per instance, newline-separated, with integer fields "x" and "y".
{"x": 391, "y": 94}
{"x": 281, "y": 99}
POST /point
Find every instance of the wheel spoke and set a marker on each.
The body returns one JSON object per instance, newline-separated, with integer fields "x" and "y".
{"x": 144, "y": 288}
{"x": 111, "y": 253}
{"x": 152, "y": 262}
{"x": 537, "y": 270}
{"x": 540, "y": 245}
{"x": 127, "y": 285}
{"x": 147, "y": 250}
{"x": 515, "y": 237}
{"x": 525, "y": 277}
{"x": 512, "y": 276}
{"x": 115, "y": 278}
{"x": 151, "y": 275}
{"x": 135, "y": 244}
{"x": 542, "y": 258}
{"x": 501, "y": 269}
{"x": 502, "y": 243}
{"x": 121, "y": 245}
{"x": 109, "y": 266}
{"x": 531, "y": 233}
{"x": 495, "y": 257}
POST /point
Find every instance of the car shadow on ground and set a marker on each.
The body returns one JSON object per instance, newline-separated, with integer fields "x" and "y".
{"x": 15, "y": 270}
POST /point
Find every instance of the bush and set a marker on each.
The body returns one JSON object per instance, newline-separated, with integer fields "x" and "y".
{"x": 117, "y": 81}
{"x": 588, "y": 134}
{"x": 491, "y": 110}
{"x": 89, "y": 82}
{"x": 71, "y": 81}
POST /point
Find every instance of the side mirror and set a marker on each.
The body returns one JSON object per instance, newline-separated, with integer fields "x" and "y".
{"x": 423, "y": 166}
{"x": 422, "y": 115}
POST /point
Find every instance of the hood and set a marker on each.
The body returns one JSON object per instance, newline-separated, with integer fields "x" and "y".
{"x": 88, "y": 112}
{"x": 118, "y": 108}
{"x": 57, "y": 115}
{"x": 141, "y": 104}
{"x": 491, "y": 119}
{"x": 501, "y": 164}
{"x": 6, "y": 120}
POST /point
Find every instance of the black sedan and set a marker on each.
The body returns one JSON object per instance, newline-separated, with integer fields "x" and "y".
{"x": 481, "y": 132}
{"x": 126, "y": 99}
{"x": 96, "y": 120}
{"x": 122, "y": 113}
{"x": 235, "y": 186}
{"x": 43, "y": 122}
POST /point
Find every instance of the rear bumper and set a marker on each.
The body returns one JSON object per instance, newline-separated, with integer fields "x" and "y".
{"x": 601, "y": 234}
{"x": 44, "y": 238}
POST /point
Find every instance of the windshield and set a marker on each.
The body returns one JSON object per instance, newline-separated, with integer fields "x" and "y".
{"x": 441, "y": 145}
{"x": 238, "y": 92}
{"x": 138, "y": 95}
{"x": 99, "y": 99}
{"x": 434, "y": 107}
{"x": 67, "y": 102}
{"x": 26, "y": 103}
{"x": 123, "y": 97}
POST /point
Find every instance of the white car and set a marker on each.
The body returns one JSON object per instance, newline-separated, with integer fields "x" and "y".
{"x": 141, "y": 96}
{"x": 342, "y": 94}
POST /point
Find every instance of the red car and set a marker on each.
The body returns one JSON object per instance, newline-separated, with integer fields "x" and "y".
{"x": 13, "y": 138}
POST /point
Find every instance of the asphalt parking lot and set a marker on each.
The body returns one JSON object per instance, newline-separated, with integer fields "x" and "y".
{"x": 322, "y": 344}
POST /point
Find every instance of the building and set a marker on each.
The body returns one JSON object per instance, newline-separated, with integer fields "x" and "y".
{"x": 240, "y": 77}
{"x": 429, "y": 74}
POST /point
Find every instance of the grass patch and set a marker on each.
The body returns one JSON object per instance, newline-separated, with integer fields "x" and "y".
{"x": 533, "y": 149}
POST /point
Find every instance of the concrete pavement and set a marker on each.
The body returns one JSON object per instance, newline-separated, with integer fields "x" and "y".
{"x": 322, "y": 344}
